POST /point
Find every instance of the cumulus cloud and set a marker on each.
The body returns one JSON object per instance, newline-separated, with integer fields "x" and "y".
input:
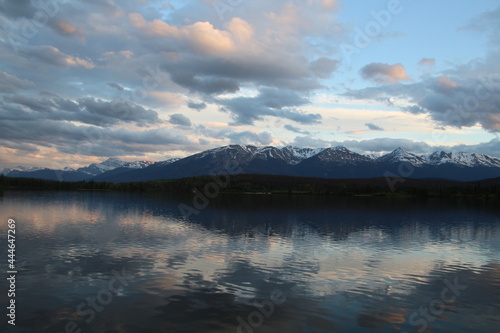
{"x": 229, "y": 135}
{"x": 323, "y": 67}
{"x": 445, "y": 84}
{"x": 269, "y": 102}
{"x": 384, "y": 73}
{"x": 248, "y": 137}
{"x": 380, "y": 145}
{"x": 309, "y": 142}
{"x": 455, "y": 101}
{"x": 179, "y": 119}
{"x": 197, "y": 106}
{"x": 374, "y": 127}
{"x": 202, "y": 37}
{"x": 114, "y": 65}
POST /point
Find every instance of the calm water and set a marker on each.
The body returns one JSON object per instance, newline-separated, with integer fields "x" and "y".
{"x": 121, "y": 262}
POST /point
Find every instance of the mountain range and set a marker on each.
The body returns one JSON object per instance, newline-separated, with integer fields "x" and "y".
{"x": 335, "y": 162}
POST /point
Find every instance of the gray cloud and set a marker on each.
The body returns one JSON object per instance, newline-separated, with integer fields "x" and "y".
{"x": 179, "y": 119}
{"x": 309, "y": 142}
{"x": 116, "y": 86}
{"x": 236, "y": 137}
{"x": 10, "y": 83}
{"x": 385, "y": 145}
{"x": 323, "y": 67}
{"x": 50, "y": 55}
{"x": 86, "y": 110}
{"x": 270, "y": 102}
{"x": 65, "y": 28}
{"x": 89, "y": 140}
{"x": 374, "y": 127}
{"x": 197, "y": 106}
{"x": 17, "y": 8}
{"x": 450, "y": 101}
{"x": 294, "y": 129}
{"x": 247, "y": 137}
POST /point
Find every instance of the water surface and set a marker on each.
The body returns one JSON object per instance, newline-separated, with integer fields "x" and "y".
{"x": 252, "y": 263}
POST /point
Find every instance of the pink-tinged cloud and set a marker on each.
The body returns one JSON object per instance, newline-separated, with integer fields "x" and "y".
{"x": 67, "y": 29}
{"x": 330, "y": 4}
{"x": 201, "y": 36}
{"x": 445, "y": 84}
{"x": 384, "y": 73}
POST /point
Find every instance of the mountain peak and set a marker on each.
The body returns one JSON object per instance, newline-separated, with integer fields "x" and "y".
{"x": 400, "y": 155}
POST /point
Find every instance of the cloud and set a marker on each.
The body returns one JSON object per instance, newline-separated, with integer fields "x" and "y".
{"x": 53, "y": 56}
{"x": 427, "y": 64}
{"x": 330, "y": 4}
{"x": 248, "y": 137}
{"x": 197, "y": 106}
{"x": 163, "y": 98}
{"x": 491, "y": 147}
{"x": 70, "y": 139}
{"x": 17, "y": 8}
{"x": 323, "y": 67}
{"x": 67, "y": 29}
{"x": 201, "y": 37}
{"x": 88, "y": 110}
{"x": 115, "y": 85}
{"x": 247, "y": 110}
{"x": 294, "y": 129}
{"x": 445, "y": 84}
{"x": 309, "y": 142}
{"x": 384, "y": 145}
{"x": 457, "y": 100}
{"x": 384, "y": 73}
{"x": 179, "y": 119}
{"x": 10, "y": 83}
{"x": 228, "y": 135}
{"x": 380, "y": 145}
{"x": 374, "y": 127}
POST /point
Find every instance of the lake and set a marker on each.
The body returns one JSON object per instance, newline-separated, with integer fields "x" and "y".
{"x": 131, "y": 262}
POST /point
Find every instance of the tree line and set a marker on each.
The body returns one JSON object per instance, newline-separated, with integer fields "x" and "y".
{"x": 251, "y": 183}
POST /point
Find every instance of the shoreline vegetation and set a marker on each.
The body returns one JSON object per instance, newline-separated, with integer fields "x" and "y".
{"x": 272, "y": 184}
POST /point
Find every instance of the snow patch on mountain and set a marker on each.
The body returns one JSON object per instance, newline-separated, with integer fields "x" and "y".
{"x": 20, "y": 168}
{"x": 110, "y": 164}
{"x": 463, "y": 159}
{"x": 400, "y": 155}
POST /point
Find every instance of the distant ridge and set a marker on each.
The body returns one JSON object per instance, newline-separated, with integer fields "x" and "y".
{"x": 334, "y": 162}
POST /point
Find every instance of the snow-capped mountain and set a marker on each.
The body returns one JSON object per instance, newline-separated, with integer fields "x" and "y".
{"x": 342, "y": 155}
{"x": 334, "y": 162}
{"x": 400, "y": 155}
{"x": 71, "y": 174}
{"x": 463, "y": 159}
{"x": 110, "y": 164}
{"x": 19, "y": 168}
{"x": 296, "y": 155}
{"x": 170, "y": 160}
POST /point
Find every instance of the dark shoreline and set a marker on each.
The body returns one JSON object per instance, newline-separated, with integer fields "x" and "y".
{"x": 271, "y": 184}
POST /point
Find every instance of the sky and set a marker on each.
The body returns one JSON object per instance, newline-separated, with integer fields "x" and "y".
{"x": 81, "y": 81}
